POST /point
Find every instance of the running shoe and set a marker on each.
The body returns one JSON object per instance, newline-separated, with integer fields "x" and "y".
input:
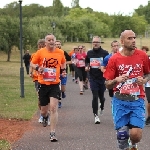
{"x": 63, "y": 95}
{"x": 45, "y": 121}
{"x": 40, "y": 119}
{"x": 59, "y": 105}
{"x": 53, "y": 137}
{"x": 97, "y": 120}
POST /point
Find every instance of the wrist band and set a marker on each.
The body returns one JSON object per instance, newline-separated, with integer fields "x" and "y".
{"x": 37, "y": 68}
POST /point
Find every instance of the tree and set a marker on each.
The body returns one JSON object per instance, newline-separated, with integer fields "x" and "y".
{"x": 144, "y": 11}
{"x": 9, "y": 36}
{"x": 58, "y": 8}
{"x": 75, "y": 4}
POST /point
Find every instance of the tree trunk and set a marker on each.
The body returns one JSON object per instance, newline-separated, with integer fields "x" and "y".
{"x": 8, "y": 54}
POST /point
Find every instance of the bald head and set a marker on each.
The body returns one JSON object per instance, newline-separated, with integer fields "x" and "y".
{"x": 125, "y": 33}
{"x": 127, "y": 38}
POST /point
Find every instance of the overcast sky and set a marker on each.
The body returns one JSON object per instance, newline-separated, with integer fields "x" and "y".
{"x": 109, "y": 6}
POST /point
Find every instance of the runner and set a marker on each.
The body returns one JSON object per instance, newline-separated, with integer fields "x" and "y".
{"x": 80, "y": 68}
{"x": 115, "y": 49}
{"x": 63, "y": 79}
{"x": 71, "y": 68}
{"x": 74, "y": 61}
{"x": 147, "y": 90}
{"x": 34, "y": 76}
{"x": 124, "y": 72}
{"x": 49, "y": 60}
{"x": 93, "y": 63}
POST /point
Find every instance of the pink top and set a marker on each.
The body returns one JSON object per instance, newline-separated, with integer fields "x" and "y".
{"x": 80, "y": 59}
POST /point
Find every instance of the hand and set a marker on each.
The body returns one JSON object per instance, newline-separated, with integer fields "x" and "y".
{"x": 87, "y": 69}
{"x": 41, "y": 70}
{"x": 64, "y": 74}
{"x": 31, "y": 75}
{"x": 141, "y": 80}
{"x": 121, "y": 78}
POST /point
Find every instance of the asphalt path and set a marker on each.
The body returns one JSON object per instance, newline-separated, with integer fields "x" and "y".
{"x": 76, "y": 129}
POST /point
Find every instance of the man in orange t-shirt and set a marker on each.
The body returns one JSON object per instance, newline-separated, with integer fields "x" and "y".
{"x": 49, "y": 59}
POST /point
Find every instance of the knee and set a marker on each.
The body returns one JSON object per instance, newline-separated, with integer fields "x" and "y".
{"x": 135, "y": 135}
{"x": 53, "y": 109}
{"x": 122, "y": 137}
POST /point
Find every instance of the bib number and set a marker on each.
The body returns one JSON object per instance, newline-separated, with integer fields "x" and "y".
{"x": 96, "y": 62}
{"x": 49, "y": 74}
{"x": 130, "y": 87}
{"x": 81, "y": 63}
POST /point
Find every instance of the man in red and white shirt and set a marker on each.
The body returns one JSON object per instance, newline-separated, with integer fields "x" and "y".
{"x": 126, "y": 72}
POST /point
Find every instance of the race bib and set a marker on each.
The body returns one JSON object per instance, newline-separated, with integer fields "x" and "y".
{"x": 147, "y": 84}
{"x": 96, "y": 62}
{"x": 49, "y": 74}
{"x": 130, "y": 87}
{"x": 81, "y": 63}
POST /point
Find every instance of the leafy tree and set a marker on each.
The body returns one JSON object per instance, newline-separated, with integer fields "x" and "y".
{"x": 58, "y": 8}
{"x": 9, "y": 36}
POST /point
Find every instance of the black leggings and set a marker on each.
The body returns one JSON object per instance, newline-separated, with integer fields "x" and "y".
{"x": 75, "y": 70}
{"x": 97, "y": 94}
{"x": 82, "y": 74}
{"x": 147, "y": 91}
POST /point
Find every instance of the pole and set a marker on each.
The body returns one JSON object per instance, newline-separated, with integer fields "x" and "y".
{"x": 53, "y": 30}
{"x": 21, "y": 56}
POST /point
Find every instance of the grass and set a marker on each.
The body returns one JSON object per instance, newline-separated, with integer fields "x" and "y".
{"x": 12, "y": 106}
{"x": 4, "y": 145}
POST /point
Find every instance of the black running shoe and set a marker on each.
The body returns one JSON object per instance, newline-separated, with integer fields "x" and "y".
{"x": 45, "y": 121}
{"x": 53, "y": 137}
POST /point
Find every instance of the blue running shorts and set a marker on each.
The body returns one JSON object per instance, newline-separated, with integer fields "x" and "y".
{"x": 63, "y": 80}
{"x": 128, "y": 112}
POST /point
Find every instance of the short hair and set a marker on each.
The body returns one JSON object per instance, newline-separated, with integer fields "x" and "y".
{"x": 115, "y": 41}
{"x": 145, "y": 47}
{"x": 58, "y": 41}
{"x": 48, "y": 35}
{"x": 41, "y": 41}
{"x": 96, "y": 36}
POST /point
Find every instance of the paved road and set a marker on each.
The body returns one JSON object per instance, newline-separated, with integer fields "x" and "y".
{"x": 76, "y": 129}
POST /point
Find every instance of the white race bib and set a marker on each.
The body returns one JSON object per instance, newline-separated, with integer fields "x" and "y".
{"x": 81, "y": 63}
{"x": 49, "y": 74}
{"x": 96, "y": 62}
{"x": 130, "y": 87}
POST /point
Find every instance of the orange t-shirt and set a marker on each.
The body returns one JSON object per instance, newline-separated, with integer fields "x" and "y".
{"x": 51, "y": 61}
{"x": 71, "y": 53}
{"x": 34, "y": 73}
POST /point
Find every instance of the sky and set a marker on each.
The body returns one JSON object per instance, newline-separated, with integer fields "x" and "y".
{"x": 125, "y": 7}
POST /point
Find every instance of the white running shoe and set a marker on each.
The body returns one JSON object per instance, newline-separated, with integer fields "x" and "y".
{"x": 40, "y": 119}
{"x": 97, "y": 120}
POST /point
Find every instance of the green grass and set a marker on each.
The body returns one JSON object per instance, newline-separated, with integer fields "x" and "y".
{"x": 4, "y": 145}
{"x": 12, "y": 106}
